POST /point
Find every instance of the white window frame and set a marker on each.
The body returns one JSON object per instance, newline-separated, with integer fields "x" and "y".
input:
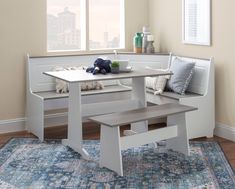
{"x": 85, "y": 30}
{"x": 207, "y": 28}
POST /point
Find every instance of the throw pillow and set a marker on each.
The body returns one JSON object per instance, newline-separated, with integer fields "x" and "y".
{"x": 182, "y": 75}
{"x": 62, "y": 86}
{"x": 157, "y": 83}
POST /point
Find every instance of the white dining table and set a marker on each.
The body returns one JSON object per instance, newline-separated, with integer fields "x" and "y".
{"x": 75, "y": 77}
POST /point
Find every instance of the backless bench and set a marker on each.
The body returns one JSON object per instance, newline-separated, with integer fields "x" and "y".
{"x": 111, "y": 143}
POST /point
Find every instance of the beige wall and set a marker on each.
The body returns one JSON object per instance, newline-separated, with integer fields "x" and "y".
{"x": 137, "y": 15}
{"x": 165, "y": 21}
{"x": 22, "y": 30}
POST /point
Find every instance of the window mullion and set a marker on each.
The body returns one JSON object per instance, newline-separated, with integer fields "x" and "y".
{"x": 122, "y": 24}
{"x": 85, "y": 24}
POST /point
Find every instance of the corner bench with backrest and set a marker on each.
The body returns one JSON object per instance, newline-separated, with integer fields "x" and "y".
{"x": 41, "y": 94}
{"x": 200, "y": 94}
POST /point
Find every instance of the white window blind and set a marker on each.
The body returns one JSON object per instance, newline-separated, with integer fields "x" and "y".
{"x": 196, "y": 22}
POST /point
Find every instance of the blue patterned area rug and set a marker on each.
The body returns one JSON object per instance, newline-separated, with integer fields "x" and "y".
{"x": 28, "y": 163}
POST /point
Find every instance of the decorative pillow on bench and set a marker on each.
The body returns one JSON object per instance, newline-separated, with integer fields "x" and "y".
{"x": 157, "y": 83}
{"x": 182, "y": 75}
{"x": 62, "y": 86}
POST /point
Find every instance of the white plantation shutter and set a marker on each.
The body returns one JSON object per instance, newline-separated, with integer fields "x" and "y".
{"x": 196, "y": 18}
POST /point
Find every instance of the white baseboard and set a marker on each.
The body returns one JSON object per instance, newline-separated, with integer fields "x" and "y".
{"x": 18, "y": 124}
{"x": 12, "y": 125}
{"x": 224, "y": 131}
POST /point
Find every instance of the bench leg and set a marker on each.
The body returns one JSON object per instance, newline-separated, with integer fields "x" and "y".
{"x": 181, "y": 142}
{"x": 110, "y": 149}
{"x": 35, "y": 116}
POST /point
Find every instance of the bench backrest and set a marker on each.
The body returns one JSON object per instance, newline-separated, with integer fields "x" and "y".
{"x": 142, "y": 60}
{"x": 156, "y": 61}
{"x": 37, "y": 65}
{"x": 38, "y": 82}
{"x": 202, "y": 76}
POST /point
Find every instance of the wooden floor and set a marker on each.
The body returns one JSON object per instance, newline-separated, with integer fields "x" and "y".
{"x": 91, "y": 131}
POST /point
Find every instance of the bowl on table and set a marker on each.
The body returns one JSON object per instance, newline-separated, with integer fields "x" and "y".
{"x": 123, "y": 65}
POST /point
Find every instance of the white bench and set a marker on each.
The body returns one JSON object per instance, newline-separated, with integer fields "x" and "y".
{"x": 41, "y": 94}
{"x": 111, "y": 143}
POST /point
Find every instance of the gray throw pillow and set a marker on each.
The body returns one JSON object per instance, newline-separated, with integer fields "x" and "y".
{"x": 182, "y": 75}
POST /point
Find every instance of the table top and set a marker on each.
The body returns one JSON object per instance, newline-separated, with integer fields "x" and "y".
{"x": 72, "y": 76}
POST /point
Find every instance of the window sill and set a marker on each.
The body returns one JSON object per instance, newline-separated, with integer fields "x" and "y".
{"x": 82, "y": 52}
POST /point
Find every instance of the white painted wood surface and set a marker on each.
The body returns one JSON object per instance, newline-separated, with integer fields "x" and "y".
{"x": 200, "y": 123}
{"x": 148, "y": 137}
{"x": 181, "y": 142}
{"x": 75, "y": 120}
{"x": 35, "y": 116}
{"x": 110, "y": 149}
{"x": 60, "y": 103}
{"x": 139, "y": 93}
{"x": 40, "y": 82}
{"x": 47, "y": 95}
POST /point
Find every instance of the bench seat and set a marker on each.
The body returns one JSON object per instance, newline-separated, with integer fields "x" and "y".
{"x": 141, "y": 114}
{"x": 48, "y": 95}
{"x": 173, "y": 95}
{"x": 111, "y": 143}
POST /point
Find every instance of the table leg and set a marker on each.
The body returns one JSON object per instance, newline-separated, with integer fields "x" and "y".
{"x": 74, "y": 140}
{"x": 139, "y": 93}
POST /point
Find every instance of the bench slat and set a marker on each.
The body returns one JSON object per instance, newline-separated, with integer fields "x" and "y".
{"x": 139, "y": 139}
{"x": 46, "y": 95}
{"x": 142, "y": 114}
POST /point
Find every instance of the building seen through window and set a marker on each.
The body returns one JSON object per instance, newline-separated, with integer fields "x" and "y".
{"x": 64, "y": 28}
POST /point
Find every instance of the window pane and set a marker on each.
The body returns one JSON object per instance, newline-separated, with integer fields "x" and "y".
{"x": 104, "y": 24}
{"x": 197, "y": 22}
{"x": 63, "y": 25}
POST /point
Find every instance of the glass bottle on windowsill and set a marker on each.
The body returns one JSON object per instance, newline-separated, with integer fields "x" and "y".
{"x": 137, "y": 43}
{"x": 150, "y": 47}
{"x": 146, "y": 32}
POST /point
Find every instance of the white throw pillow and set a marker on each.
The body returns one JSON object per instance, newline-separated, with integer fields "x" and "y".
{"x": 62, "y": 86}
{"x": 157, "y": 83}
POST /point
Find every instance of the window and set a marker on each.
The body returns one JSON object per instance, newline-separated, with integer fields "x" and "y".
{"x": 196, "y": 22}
{"x": 85, "y": 24}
